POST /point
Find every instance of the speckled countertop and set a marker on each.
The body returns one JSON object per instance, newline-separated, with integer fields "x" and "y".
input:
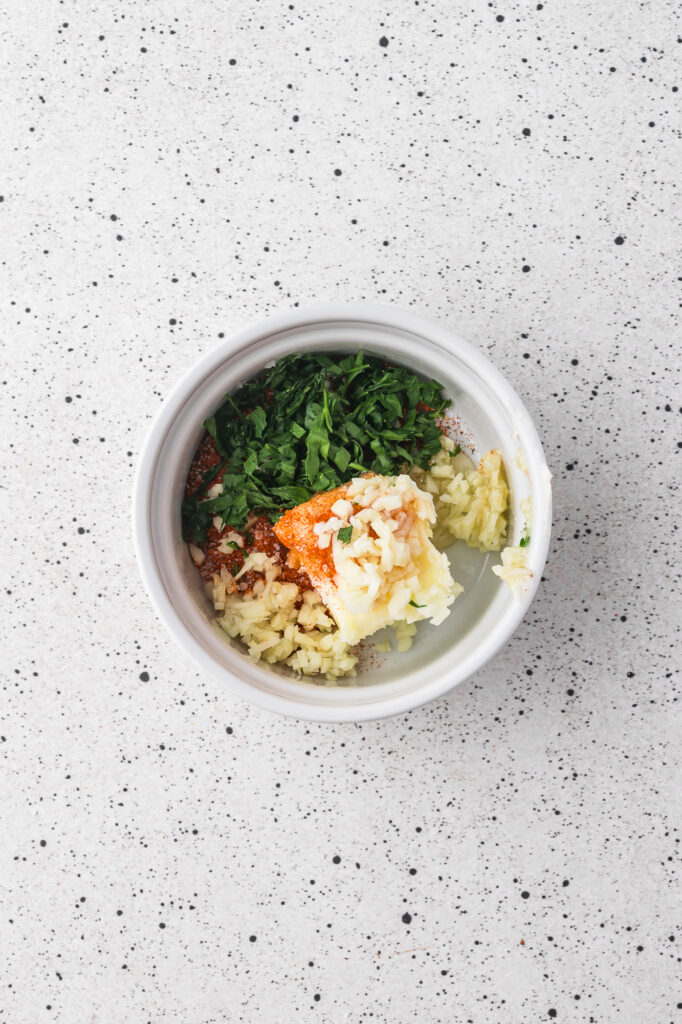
{"x": 510, "y": 853}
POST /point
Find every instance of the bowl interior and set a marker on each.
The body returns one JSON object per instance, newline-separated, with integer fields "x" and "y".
{"x": 485, "y": 421}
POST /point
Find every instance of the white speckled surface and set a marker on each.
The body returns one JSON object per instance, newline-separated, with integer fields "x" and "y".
{"x": 510, "y": 853}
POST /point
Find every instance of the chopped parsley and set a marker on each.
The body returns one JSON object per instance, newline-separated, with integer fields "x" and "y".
{"x": 415, "y": 605}
{"x": 525, "y": 541}
{"x": 308, "y": 424}
{"x": 457, "y": 451}
{"x": 345, "y": 534}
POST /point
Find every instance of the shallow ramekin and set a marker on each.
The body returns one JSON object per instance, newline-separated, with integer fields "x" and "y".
{"x": 483, "y": 618}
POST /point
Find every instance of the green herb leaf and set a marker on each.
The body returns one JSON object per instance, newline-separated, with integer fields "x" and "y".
{"x": 415, "y": 605}
{"x": 345, "y": 534}
{"x": 307, "y": 424}
{"x": 524, "y": 542}
{"x": 326, "y": 414}
{"x": 457, "y": 451}
{"x": 317, "y": 436}
{"x": 342, "y": 459}
{"x": 259, "y": 420}
{"x": 292, "y": 496}
{"x": 251, "y": 463}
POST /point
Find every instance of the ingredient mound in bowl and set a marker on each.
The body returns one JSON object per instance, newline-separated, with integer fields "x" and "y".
{"x": 366, "y": 547}
{"x": 318, "y": 504}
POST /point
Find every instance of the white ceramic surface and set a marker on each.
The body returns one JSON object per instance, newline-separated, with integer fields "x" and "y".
{"x": 482, "y": 619}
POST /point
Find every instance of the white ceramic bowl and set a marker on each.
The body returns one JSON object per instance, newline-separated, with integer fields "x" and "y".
{"x": 482, "y": 619}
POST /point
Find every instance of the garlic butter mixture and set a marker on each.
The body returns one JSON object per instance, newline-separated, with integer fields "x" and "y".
{"x": 318, "y": 504}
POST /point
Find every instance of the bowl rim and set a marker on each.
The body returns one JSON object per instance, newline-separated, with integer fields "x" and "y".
{"x": 284, "y": 320}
